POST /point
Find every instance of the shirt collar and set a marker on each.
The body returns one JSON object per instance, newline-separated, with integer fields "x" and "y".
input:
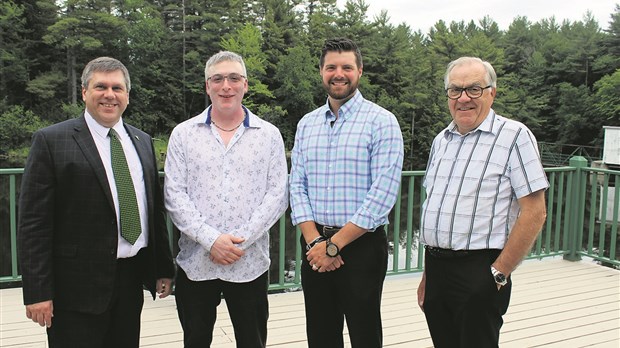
{"x": 249, "y": 121}
{"x": 347, "y": 109}
{"x": 100, "y": 130}
{"x": 485, "y": 126}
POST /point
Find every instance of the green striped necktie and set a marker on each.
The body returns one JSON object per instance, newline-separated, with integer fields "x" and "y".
{"x": 128, "y": 204}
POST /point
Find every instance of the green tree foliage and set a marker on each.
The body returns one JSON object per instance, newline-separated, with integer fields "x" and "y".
{"x": 85, "y": 29}
{"x": 18, "y": 125}
{"x": 12, "y": 30}
{"x": 247, "y": 41}
{"x": 280, "y": 29}
{"x": 299, "y": 82}
{"x": 525, "y": 97}
{"x": 155, "y": 87}
{"x": 573, "y": 122}
{"x": 318, "y": 17}
{"x": 23, "y": 54}
{"x": 607, "y": 99}
{"x": 561, "y": 79}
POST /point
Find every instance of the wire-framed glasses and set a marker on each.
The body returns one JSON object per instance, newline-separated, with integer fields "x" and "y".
{"x": 233, "y": 78}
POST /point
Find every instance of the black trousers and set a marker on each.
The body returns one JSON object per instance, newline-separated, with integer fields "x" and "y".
{"x": 247, "y": 304}
{"x": 117, "y": 327}
{"x": 353, "y": 292}
{"x": 462, "y": 305}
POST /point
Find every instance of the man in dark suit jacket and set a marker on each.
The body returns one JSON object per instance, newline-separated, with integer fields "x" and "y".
{"x": 81, "y": 278}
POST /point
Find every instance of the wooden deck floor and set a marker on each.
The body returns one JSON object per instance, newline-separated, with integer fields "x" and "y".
{"x": 555, "y": 303}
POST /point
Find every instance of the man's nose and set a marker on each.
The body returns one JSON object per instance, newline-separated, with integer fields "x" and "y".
{"x": 464, "y": 97}
{"x": 108, "y": 93}
{"x": 339, "y": 72}
{"x": 226, "y": 83}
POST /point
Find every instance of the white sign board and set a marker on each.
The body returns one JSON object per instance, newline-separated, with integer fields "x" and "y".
{"x": 611, "y": 147}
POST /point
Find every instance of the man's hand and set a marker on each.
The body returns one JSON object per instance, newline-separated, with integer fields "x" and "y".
{"x": 336, "y": 263}
{"x": 164, "y": 287}
{"x": 224, "y": 251}
{"x": 422, "y": 291}
{"x": 318, "y": 259}
{"x": 41, "y": 312}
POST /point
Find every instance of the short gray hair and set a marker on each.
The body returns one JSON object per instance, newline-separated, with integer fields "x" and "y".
{"x": 224, "y": 56}
{"x": 104, "y": 64}
{"x": 491, "y": 75}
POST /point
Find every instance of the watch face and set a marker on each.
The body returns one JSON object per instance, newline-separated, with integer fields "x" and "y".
{"x": 332, "y": 250}
{"x": 500, "y": 279}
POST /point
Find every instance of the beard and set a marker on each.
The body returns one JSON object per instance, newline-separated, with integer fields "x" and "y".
{"x": 340, "y": 92}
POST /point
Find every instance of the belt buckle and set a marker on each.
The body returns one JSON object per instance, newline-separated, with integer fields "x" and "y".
{"x": 329, "y": 231}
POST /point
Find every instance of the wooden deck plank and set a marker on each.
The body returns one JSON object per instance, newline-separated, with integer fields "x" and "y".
{"x": 555, "y": 303}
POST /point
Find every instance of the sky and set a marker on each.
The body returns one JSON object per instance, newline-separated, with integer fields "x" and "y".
{"x": 423, "y": 14}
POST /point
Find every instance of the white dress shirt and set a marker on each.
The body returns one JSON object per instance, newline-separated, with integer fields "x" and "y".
{"x": 102, "y": 140}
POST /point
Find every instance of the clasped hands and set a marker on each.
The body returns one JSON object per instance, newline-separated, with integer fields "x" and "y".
{"x": 225, "y": 250}
{"x": 320, "y": 262}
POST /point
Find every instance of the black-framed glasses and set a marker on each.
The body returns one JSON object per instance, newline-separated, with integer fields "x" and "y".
{"x": 233, "y": 78}
{"x": 472, "y": 92}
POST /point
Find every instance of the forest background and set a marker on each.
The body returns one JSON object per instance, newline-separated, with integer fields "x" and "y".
{"x": 561, "y": 79}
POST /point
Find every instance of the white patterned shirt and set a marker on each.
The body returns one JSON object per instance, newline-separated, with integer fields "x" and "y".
{"x": 473, "y": 182}
{"x": 212, "y": 189}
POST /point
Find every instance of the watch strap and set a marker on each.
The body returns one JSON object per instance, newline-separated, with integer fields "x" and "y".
{"x": 499, "y": 277}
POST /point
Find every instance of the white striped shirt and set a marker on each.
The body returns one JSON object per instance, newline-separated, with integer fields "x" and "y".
{"x": 473, "y": 182}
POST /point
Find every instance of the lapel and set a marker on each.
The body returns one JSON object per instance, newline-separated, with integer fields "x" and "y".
{"x": 85, "y": 141}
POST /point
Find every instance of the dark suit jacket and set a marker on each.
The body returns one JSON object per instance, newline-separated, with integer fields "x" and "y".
{"x": 67, "y": 231}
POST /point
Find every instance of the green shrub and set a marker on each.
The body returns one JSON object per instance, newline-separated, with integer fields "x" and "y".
{"x": 18, "y": 125}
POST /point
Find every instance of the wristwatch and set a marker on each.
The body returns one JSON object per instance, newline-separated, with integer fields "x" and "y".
{"x": 500, "y": 278}
{"x": 316, "y": 240}
{"x": 331, "y": 249}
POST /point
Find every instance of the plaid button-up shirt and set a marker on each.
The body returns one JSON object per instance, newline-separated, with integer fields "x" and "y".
{"x": 348, "y": 172}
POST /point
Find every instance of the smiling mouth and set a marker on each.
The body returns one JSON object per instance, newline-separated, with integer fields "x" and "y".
{"x": 465, "y": 108}
{"x": 339, "y": 83}
{"x": 108, "y": 105}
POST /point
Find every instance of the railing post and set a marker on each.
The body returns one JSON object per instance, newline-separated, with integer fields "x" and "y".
{"x": 576, "y": 215}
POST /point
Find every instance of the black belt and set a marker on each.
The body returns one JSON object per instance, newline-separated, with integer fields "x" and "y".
{"x": 330, "y": 231}
{"x": 449, "y": 253}
{"x": 327, "y": 231}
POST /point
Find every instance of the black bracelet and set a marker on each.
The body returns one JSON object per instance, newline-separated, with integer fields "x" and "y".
{"x": 314, "y": 242}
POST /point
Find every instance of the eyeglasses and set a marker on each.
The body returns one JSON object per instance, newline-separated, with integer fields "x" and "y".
{"x": 233, "y": 78}
{"x": 472, "y": 92}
